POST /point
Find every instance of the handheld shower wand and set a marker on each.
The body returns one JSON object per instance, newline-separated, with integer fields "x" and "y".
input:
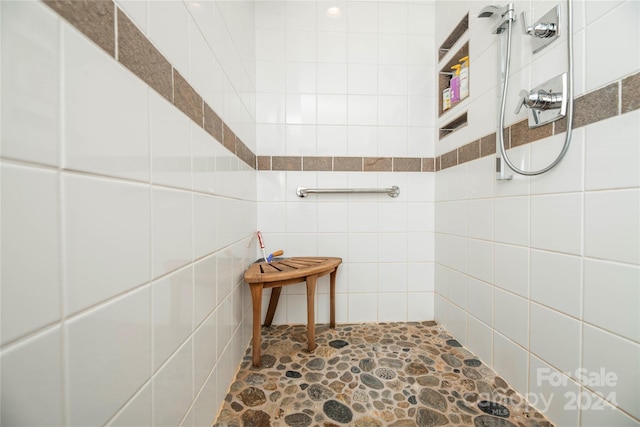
{"x": 507, "y": 17}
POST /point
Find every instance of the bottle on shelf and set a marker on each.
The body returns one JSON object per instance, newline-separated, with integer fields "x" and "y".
{"x": 455, "y": 84}
{"x": 464, "y": 77}
{"x": 446, "y": 97}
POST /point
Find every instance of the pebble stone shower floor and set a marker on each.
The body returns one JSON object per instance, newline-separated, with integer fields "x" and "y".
{"x": 368, "y": 375}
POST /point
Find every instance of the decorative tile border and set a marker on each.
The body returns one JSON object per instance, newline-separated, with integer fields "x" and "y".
{"x": 345, "y": 164}
{"x": 614, "y": 99}
{"x": 96, "y": 19}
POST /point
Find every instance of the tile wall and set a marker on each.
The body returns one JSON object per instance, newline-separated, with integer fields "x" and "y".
{"x": 539, "y": 276}
{"x": 138, "y": 208}
{"x": 126, "y": 225}
{"x": 347, "y": 100}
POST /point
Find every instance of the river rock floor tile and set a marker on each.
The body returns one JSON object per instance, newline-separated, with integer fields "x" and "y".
{"x": 371, "y": 375}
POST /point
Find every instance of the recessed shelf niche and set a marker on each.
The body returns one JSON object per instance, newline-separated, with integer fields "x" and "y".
{"x": 453, "y": 125}
{"x": 444, "y": 74}
{"x": 455, "y": 35}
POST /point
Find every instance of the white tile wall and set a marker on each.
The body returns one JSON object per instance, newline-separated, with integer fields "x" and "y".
{"x": 173, "y": 387}
{"x": 556, "y": 281}
{"x": 31, "y": 297}
{"x": 553, "y": 396}
{"x": 32, "y": 371}
{"x": 172, "y": 302}
{"x": 457, "y": 322}
{"x": 172, "y": 235}
{"x": 563, "y": 295}
{"x": 511, "y": 317}
{"x": 292, "y": 43}
{"x": 366, "y": 68}
{"x": 560, "y": 348}
{"x": 168, "y": 28}
{"x": 104, "y": 134}
{"x": 511, "y": 268}
{"x": 511, "y": 361}
{"x": 618, "y": 356}
{"x": 511, "y": 220}
{"x": 108, "y": 351}
{"x": 381, "y": 252}
{"x": 107, "y": 234}
{"x": 170, "y": 142}
{"x": 30, "y": 74}
{"x": 620, "y": 211}
{"x": 613, "y": 162}
{"x": 555, "y": 215}
{"x": 602, "y": 412}
{"x": 611, "y": 296}
{"x": 480, "y": 301}
{"x": 621, "y": 21}
{"x": 480, "y": 339}
{"x": 480, "y": 259}
{"x": 137, "y": 411}
{"x": 100, "y": 196}
{"x": 568, "y": 175}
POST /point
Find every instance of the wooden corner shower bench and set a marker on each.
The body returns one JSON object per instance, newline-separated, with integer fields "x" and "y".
{"x": 286, "y": 272}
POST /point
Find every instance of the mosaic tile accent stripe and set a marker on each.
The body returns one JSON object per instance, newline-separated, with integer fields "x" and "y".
{"x": 141, "y": 57}
{"x": 283, "y": 163}
{"x": 428, "y": 164}
{"x": 469, "y": 152}
{"x": 96, "y": 20}
{"x": 407, "y": 164}
{"x": 378, "y": 164}
{"x": 346, "y": 164}
{"x": 317, "y": 163}
{"x": 521, "y": 133}
{"x": 212, "y": 123}
{"x": 631, "y": 93}
{"x": 592, "y": 107}
{"x": 187, "y": 99}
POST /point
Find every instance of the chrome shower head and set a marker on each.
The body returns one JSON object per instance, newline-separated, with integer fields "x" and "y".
{"x": 504, "y": 13}
{"x": 489, "y": 11}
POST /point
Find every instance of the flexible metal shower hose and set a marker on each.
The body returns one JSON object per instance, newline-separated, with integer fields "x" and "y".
{"x": 569, "y": 96}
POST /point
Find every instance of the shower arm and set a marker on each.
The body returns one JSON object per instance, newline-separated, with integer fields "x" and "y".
{"x": 569, "y": 95}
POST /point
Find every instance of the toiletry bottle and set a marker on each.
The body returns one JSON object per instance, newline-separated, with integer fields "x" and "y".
{"x": 446, "y": 97}
{"x": 464, "y": 77}
{"x": 455, "y": 85}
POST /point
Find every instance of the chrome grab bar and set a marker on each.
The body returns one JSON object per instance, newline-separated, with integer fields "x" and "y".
{"x": 392, "y": 192}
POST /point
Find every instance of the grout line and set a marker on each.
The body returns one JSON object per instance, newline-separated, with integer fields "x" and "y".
{"x": 61, "y": 222}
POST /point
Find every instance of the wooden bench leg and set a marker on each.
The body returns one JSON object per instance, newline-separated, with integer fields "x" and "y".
{"x": 273, "y": 303}
{"x": 256, "y": 297}
{"x": 332, "y": 298}
{"x": 311, "y": 315}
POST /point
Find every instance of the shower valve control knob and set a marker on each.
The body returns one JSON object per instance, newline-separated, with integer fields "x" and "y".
{"x": 542, "y": 30}
{"x": 539, "y": 100}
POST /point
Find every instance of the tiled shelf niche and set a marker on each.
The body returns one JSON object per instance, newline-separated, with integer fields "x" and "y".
{"x": 453, "y": 125}
{"x": 443, "y": 77}
{"x": 455, "y": 35}
{"x": 444, "y": 51}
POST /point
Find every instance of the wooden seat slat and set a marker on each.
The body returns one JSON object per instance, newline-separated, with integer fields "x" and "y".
{"x": 269, "y": 268}
{"x": 288, "y": 269}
